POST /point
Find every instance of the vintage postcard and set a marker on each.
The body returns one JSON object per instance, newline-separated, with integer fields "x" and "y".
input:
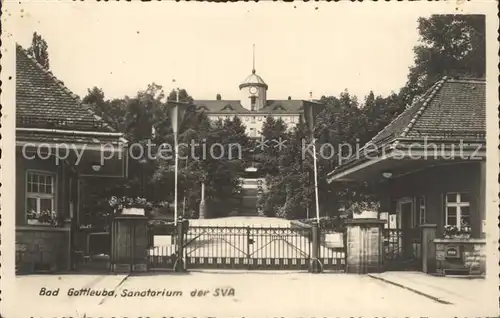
{"x": 180, "y": 159}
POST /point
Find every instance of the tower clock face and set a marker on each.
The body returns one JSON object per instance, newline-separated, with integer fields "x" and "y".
{"x": 253, "y": 90}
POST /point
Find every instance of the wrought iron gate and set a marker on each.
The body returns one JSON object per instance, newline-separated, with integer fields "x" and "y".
{"x": 247, "y": 248}
{"x": 233, "y": 247}
{"x": 402, "y": 249}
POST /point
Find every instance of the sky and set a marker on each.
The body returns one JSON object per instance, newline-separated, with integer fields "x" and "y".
{"x": 207, "y": 47}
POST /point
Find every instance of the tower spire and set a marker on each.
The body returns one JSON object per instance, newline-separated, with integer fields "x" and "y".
{"x": 253, "y": 60}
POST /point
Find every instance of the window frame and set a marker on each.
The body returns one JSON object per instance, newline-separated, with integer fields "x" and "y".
{"x": 38, "y": 196}
{"x": 458, "y": 205}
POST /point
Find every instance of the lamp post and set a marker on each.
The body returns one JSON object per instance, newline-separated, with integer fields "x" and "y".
{"x": 176, "y": 114}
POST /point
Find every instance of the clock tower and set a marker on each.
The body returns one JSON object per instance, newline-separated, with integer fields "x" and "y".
{"x": 253, "y": 91}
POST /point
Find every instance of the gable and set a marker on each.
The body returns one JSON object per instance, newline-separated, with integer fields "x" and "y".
{"x": 227, "y": 107}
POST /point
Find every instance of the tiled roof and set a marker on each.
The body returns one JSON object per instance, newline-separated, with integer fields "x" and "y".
{"x": 50, "y": 137}
{"x": 450, "y": 108}
{"x": 451, "y": 111}
{"x": 42, "y": 101}
{"x": 234, "y": 106}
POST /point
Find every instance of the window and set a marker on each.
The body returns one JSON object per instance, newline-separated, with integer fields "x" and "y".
{"x": 253, "y": 120}
{"x": 252, "y": 100}
{"x": 259, "y": 118}
{"x": 421, "y": 210}
{"x": 40, "y": 197}
{"x": 457, "y": 209}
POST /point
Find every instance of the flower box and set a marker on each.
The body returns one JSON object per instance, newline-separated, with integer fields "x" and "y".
{"x": 130, "y": 206}
{"x": 133, "y": 211}
{"x": 366, "y": 215}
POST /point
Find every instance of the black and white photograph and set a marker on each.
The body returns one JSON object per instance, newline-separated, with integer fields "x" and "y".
{"x": 249, "y": 159}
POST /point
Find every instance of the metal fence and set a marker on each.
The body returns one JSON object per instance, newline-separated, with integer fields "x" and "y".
{"x": 239, "y": 247}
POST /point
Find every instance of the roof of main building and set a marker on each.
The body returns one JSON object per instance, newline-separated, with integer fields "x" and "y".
{"x": 288, "y": 106}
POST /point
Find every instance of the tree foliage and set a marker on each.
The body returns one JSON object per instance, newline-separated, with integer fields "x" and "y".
{"x": 449, "y": 45}
{"x": 213, "y": 153}
{"x": 39, "y": 50}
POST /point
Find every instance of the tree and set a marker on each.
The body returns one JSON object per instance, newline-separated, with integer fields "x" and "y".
{"x": 112, "y": 111}
{"x": 449, "y": 45}
{"x": 267, "y": 153}
{"x": 39, "y": 50}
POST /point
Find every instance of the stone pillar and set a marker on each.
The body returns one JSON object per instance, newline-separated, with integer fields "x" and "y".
{"x": 364, "y": 246}
{"x": 428, "y": 248}
{"x": 182, "y": 227}
{"x": 129, "y": 244}
{"x": 315, "y": 265}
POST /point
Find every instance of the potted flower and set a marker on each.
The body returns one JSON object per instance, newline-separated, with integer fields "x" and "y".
{"x": 130, "y": 206}
{"x": 364, "y": 210}
{"x": 452, "y": 231}
{"x": 44, "y": 217}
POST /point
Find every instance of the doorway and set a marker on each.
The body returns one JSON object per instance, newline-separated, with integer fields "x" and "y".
{"x": 406, "y": 212}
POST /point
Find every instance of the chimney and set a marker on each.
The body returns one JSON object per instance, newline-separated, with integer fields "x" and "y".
{"x": 218, "y": 97}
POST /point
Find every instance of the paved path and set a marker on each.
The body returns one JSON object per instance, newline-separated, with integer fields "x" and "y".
{"x": 256, "y": 294}
{"x": 454, "y": 290}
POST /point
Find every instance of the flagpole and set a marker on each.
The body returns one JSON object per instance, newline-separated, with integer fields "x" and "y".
{"x": 316, "y": 179}
{"x": 176, "y": 158}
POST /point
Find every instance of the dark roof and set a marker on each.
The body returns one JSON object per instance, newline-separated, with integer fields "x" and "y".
{"x": 451, "y": 111}
{"x": 234, "y": 106}
{"x": 57, "y": 137}
{"x": 453, "y": 108}
{"x": 42, "y": 101}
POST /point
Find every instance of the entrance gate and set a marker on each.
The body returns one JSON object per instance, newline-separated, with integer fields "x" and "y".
{"x": 247, "y": 248}
{"x": 236, "y": 247}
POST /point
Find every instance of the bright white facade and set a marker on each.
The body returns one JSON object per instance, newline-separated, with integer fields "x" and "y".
{"x": 253, "y": 107}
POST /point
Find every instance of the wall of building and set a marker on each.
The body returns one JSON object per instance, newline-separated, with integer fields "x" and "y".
{"x": 434, "y": 183}
{"x": 255, "y": 122}
{"x": 471, "y": 257}
{"x": 42, "y": 248}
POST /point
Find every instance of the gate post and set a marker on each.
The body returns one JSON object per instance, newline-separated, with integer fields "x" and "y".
{"x": 428, "y": 247}
{"x": 364, "y": 246}
{"x": 179, "y": 265}
{"x": 315, "y": 265}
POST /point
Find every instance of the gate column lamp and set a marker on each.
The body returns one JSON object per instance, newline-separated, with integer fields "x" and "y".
{"x": 176, "y": 111}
